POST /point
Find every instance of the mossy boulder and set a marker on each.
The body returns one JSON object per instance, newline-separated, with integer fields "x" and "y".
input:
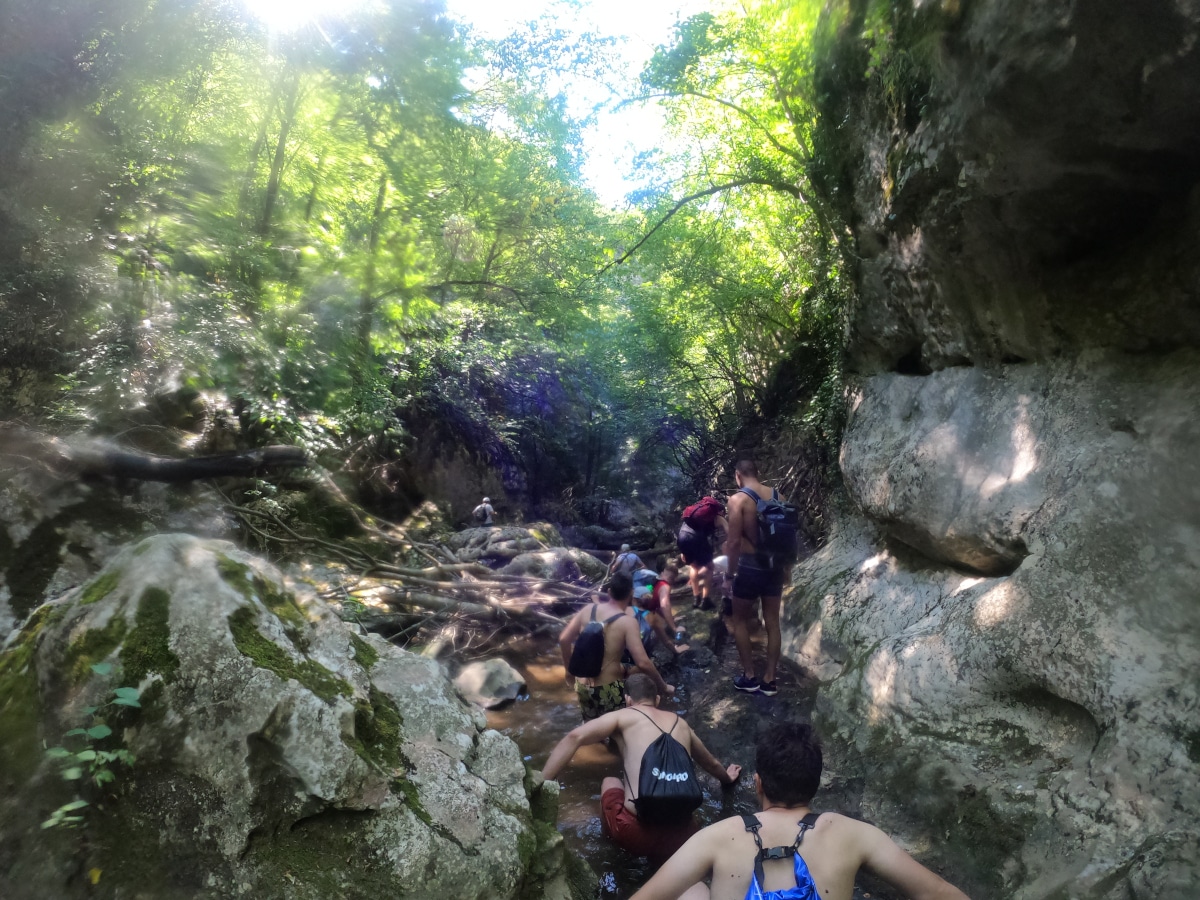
{"x": 277, "y": 754}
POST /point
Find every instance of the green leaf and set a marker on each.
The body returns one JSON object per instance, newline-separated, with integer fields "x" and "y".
{"x": 103, "y": 668}
{"x": 126, "y": 701}
{"x": 58, "y": 752}
{"x": 85, "y": 755}
{"x": 74, "y": 731}
{"x": 96, "y": 732}
{"x": 72, "y": 773}
{"x": 128, "y": 693}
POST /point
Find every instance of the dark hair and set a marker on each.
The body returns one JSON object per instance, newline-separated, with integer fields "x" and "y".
{"x": 788, "y": 761}
{"x": 746, "y": 468}
{"x": 640, "y": 687}
{"x": 620, "y": 586}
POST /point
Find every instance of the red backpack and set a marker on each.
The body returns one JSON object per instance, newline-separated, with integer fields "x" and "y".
{"x": 702, "y": 516}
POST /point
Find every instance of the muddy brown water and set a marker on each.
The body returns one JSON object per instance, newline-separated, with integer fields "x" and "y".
{"x": 726, "y": 721}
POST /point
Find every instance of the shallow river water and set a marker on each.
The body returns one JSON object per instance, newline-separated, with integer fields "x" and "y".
{"x": 538, "y": 721}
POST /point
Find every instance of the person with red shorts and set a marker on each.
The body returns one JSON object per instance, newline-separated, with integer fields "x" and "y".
{"x": 633, "y": 729}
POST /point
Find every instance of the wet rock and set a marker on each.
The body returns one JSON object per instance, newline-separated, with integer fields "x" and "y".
{"x": 491, "y": 683}
{"x": 272, "y": 745}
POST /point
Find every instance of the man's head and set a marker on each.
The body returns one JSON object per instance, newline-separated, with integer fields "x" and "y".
{"x": 620, "y": 587}
{"x": 640, "y": 688}
{"x": 487, "y": 499}
{"x": 624, "y": 548}
{"x": 745, "y": 470}
{"x": 670, "y": 571}
{"x": 788, "y": 763}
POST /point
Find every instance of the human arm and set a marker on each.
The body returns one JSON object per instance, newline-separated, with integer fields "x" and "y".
{"x": 885, "y": 858}
{"x": 663, "y": 595}
{"x": 691, "y": 863}
{"x": 712, "y": 765}
{"x": 733, "y": 533}
{"x": 592, "y": 732}
{"x": 633, "y": 643}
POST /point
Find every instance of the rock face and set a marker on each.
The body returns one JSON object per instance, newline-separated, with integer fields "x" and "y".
{"x": 1005, "y": 618}
{"x": 277, "y": 753}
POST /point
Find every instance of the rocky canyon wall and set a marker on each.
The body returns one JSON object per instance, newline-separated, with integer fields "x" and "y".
{"x": 1007, "y": 617}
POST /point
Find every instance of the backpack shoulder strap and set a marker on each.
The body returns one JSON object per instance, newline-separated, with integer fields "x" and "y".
{"x": 749, "y": 493}
{"x": 806, "y": 824}
{"x": 612, "y": 619}
{"x": 595, "y": 606}
{"x": 652, "y": 722}
{"x": 752, "y": 825}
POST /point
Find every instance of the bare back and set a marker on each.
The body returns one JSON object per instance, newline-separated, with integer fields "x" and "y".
{"x": 638, "y": 727}
{"x": 831, "y": 850}
{"x": 743, "y": 516}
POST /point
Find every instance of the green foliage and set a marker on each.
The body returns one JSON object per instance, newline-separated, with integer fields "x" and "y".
{"x": 91, "y": 761}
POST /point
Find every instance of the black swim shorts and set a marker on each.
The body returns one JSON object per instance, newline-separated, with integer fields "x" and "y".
{"x": 695, "y": 548}
{"x": 753, "y": 580}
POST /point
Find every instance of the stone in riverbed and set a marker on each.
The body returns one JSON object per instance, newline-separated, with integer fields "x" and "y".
{"x": 491, "y": 683}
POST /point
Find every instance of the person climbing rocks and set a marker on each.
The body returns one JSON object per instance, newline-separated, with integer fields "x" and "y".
{"x": 655, "y": 605}
{"x": 753, "y": 579}
{"x": 634, "y": 728}
{"x": 786, "y": 851}
{"x": 701, "y": 522}
{"x": 483, "y": 512}
{"x": 626, "y": 562}
{"x": 606, "y": 691}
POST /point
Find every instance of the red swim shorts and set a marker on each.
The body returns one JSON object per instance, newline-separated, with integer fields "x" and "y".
{"x": 655, "y": 841}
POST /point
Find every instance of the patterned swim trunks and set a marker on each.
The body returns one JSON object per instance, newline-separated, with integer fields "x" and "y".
{"x": 596, "y": 701}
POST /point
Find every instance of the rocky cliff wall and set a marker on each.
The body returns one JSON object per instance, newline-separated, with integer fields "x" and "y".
{"x": 1006, "y": 617}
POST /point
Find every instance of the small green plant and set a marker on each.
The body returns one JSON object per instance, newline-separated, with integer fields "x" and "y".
{"x": 88, "y": 762}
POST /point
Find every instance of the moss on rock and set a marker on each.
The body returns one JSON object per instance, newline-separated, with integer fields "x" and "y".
{"x": 147, "y": 649}
{"x": 364, "y": 654}
{"x": 266, "y": 654}
{"x": 100, "y": 588}
{"x": 20, "y": 707}
{"x": 95, "y": 645}
{"x": 377, "y": 727}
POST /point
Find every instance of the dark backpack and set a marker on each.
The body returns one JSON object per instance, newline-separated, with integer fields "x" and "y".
{"x": 481, "y": 513}
{"x": 668, "y": 792}
{"x": 587, "y": 657}
{"x": 702, "y": 516}
{"x": 778, "y": 541}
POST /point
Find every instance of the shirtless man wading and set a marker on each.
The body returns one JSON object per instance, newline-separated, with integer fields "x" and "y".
{"x": 606, "y": 692}
{"x": 828, "y": 854}
{"x": 633, "y": 729}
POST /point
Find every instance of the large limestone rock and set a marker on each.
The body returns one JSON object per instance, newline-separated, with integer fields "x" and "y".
{"x": 56, "y": 531}
{"x": 277, "y": 753}
{"x": 1005, "y": 618}
{"x": 1012, "y": 647}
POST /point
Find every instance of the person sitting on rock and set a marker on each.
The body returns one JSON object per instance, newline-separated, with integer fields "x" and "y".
{"x": 606, "y": 692}
{"x": 765, "y": 857}
{"x": 634, "y": 728}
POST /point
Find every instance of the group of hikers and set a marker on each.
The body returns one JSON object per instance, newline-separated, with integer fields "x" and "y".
{"x": 784, "y": 852}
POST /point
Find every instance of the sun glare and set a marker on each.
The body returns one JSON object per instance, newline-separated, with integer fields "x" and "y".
{"x": 288, "y": 15}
